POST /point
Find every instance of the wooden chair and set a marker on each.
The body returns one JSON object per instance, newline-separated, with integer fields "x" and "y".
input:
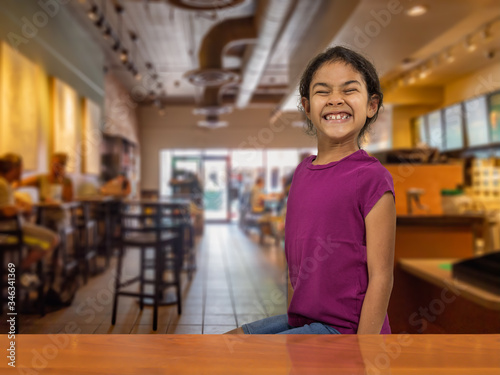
{"x": 143, "y": 228}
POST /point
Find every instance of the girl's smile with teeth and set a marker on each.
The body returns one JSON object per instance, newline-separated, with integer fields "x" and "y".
{"x": 339, "y": 116}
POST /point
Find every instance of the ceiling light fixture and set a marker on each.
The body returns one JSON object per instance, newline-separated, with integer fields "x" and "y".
{"x": 486, "y": 33}
{"x": 449, "y": 57}
{"x": 107, "y": 34}
{"x": 424, "y": 72}
{"x": 470, "y": 46}
{"x": 124, "y": 56}
{"x": 93, "y": 13}
{"x": 416, "y": 10}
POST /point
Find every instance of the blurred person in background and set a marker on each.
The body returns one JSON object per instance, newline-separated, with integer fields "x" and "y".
{"x": 41, "y": 241}
{"x": 54, "y": 188}
{"x": 117, "y": 187}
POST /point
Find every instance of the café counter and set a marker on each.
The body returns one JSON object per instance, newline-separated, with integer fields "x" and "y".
{"x": 440, "y": 236}
{"x": 255, "y": 354}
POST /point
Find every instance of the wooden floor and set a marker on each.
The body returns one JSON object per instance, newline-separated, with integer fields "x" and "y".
{"x": 237, "y": 281}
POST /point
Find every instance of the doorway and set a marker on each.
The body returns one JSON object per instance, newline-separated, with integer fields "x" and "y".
{"x": 213, "y": 171}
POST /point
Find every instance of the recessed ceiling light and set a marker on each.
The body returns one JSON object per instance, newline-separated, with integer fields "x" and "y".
{"x": 416, "y": 10}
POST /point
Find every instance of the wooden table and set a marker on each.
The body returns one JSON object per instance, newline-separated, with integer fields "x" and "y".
{"x": 255, "y": 354}
{"x": 41, "y": 207}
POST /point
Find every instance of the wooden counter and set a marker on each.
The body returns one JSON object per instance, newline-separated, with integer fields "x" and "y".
{"x": 254, "y": 354}
{"x": 438, "y": 272}
{"x": 427, "y": 299}
{"x": 440, "y": 236}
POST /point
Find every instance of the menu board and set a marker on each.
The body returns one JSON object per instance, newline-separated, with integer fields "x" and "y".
{"x": 476, "y": 121}
{"x": 454, "y": 135}
{"x": 380, "y": 137}
{"x": 420, "y": 131}
{"x": 435, "y": 125}
{"x": 494, "y": 102}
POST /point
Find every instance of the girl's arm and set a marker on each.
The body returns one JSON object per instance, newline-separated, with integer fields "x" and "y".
{"x": 380, "y": 226}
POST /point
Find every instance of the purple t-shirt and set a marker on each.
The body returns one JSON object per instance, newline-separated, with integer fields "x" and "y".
{"x": 325, "y": 238}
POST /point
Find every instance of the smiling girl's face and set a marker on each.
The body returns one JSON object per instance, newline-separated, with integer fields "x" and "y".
{"x": 338, "y": 106}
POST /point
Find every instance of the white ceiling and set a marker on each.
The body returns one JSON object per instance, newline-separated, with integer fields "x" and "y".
{"x": 170, "y": 37}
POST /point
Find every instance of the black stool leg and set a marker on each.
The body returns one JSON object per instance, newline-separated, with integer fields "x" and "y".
{"x": 2, "y": 265}
{"x": 117, "y": 285}
{"x": 178, "y": 251}
{"x": 41, "y": 288}
{"x": 157, "y": 289}
{"x": 141, "y": 278}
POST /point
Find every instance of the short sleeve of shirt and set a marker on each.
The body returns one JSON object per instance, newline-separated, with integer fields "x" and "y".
{"x": 373, "y": 182}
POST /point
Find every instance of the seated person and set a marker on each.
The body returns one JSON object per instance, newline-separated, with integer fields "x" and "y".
{"x": 117, "y": 187}
{"x": 40, "y": 241}
{"x": 54, "y": 187}
{"x": 257, "y": 196}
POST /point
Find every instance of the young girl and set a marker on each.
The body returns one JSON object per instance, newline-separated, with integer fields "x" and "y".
{"x": 341, "y": 218}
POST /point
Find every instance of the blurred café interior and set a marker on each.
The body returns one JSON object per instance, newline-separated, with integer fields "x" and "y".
{"x": 117, "y": 113}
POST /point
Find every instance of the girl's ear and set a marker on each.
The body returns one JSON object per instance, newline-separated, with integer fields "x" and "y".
{"x": 306, "y": 106}
{"x": 373, "y": 106}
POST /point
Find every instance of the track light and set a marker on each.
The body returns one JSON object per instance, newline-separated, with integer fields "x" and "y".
{"x": 136, "y": 74}
{"x": 449, "y": 57}
{"x": 424, "y": 72}
{"x": 486, "y": 33}
{"x": 99, "y": 22}
{"x": 470, "y": 46}
{"x": 490, "y": 54}
{"x": 116, "y": 45}
{"x": 124, "y": 56}
{"x": 107, "y": 34}
{"x": 416, "y": 10}
{"x": 93, "y": 13}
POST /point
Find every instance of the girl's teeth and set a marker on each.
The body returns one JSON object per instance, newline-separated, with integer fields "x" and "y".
{"x": 337, "y": 117}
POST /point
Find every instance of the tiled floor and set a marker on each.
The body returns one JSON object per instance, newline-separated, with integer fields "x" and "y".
{"x": 237, "y": 281}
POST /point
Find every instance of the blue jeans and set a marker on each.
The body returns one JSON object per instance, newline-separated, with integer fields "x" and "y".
{"x": 279, "y": 324}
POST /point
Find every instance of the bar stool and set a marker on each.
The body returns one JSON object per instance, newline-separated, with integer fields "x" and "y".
{"x": 178, "y": 214}
{"x": 142, "y": 228}
{"x": 86, "y": 232}
{"x": 12, "y": 243}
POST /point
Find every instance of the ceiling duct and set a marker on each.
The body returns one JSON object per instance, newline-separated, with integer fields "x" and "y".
{"x": 211, "y": 75}
{"x": 271, "y": 18}
{"x": 204, "y": 4}
{"x": 212, "y": 122}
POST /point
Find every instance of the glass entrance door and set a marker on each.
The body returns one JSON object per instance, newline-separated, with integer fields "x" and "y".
{"x": 216, "y": 188}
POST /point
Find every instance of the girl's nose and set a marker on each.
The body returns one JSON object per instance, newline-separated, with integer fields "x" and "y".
{"x": 335, "y": 100}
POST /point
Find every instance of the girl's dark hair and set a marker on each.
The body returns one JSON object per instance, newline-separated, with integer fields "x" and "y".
{"x": 358, "y": 63}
